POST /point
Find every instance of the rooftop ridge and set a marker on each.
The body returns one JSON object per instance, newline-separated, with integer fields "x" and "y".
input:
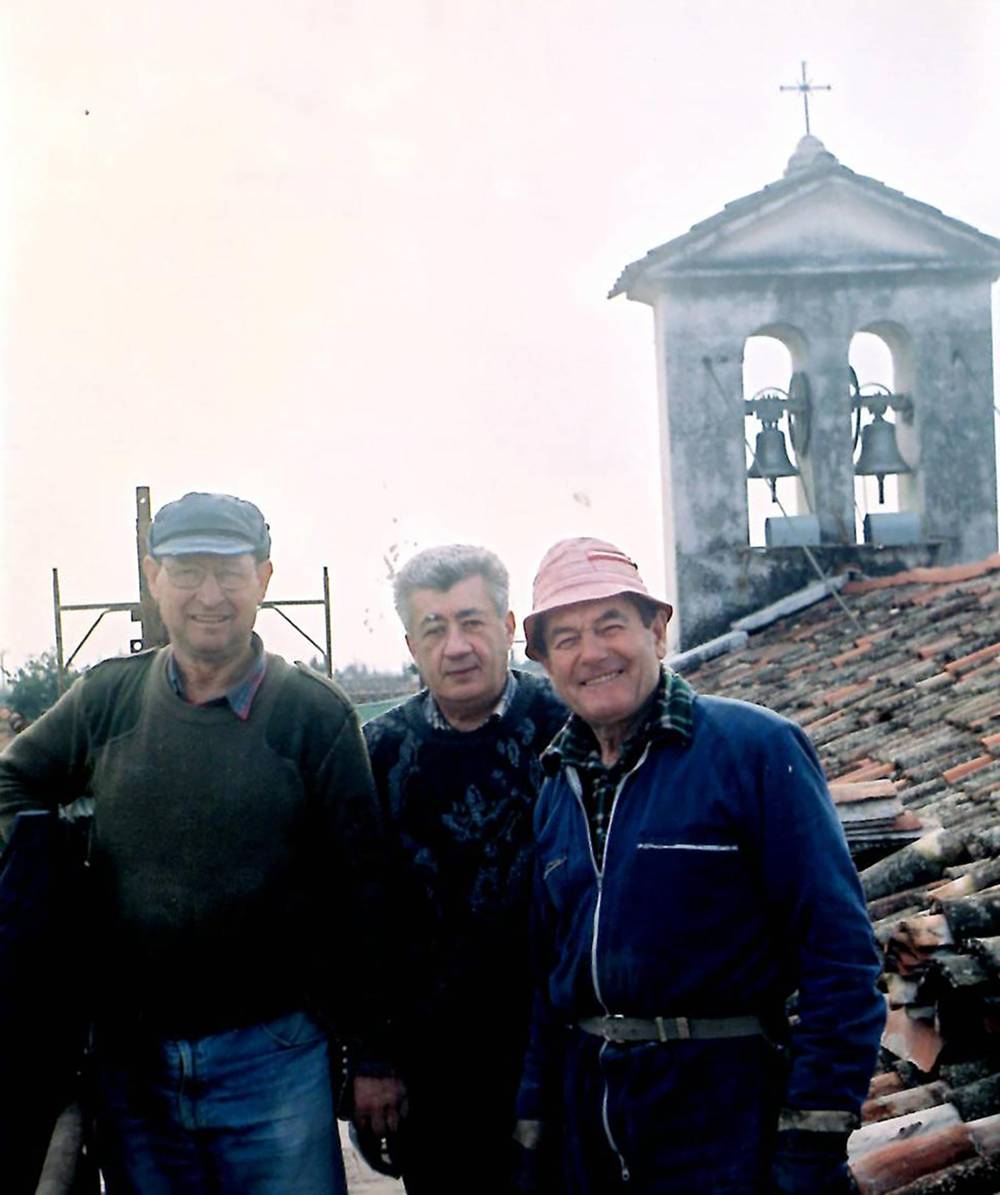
{"x": 932, "y": 575}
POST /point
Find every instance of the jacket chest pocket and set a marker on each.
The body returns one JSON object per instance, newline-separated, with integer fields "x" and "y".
{"x": 693, "y": 848}
{"x": 684, "y": 886}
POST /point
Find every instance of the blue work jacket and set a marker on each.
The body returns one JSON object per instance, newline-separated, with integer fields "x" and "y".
{"x": 726, "y": 885}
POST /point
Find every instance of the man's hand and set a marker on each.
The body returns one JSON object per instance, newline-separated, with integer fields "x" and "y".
{"x": 379, "y": 1105}
{"x": 525, "y": 1176}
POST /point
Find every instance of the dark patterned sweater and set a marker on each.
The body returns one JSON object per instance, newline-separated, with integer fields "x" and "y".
{"x": 459, "y": 807}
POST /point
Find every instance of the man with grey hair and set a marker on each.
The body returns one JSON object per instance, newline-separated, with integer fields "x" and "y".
{"x": 457, "y": 770}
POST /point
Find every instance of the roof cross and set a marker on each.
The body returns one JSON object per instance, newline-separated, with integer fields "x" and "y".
{"x": 804, "y": 88}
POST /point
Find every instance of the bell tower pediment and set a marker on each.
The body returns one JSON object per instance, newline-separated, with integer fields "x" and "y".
{"x": 833, "y": 226}
{"x": 820, "y": 218}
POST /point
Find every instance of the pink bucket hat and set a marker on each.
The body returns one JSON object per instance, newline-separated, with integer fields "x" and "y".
{"x": 582, "y": 570}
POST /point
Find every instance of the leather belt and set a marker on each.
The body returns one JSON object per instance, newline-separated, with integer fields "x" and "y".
{"x": 632, "y": 1029}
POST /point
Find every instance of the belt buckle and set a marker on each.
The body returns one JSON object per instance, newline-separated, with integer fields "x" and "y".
{"x": 606, "y": 1022}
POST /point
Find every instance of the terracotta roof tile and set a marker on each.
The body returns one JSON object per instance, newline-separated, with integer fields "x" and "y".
{"x": 870, "y": 770}
{"x": 933, "y": 576}
{"x": 909, "y": 671}
{"x": 964, "y": 769}
{"x": 938, "y": 680}
{"x": 884, "y": 1084}
{"x": 871, "y": 790}
{"x": 859, "y": 650}
{"x": 915, "y": 696}
{"x": 964, "y": 663}
{"x": 913, "y": 1039}
{"x": 900, "y": 705}
{"x": 988, "y": 779}
{"x": 831, "y": 727}
{"x": 977, "y": 709}
{"x": 839, "y": 696}
{"x": 927, "y": 650}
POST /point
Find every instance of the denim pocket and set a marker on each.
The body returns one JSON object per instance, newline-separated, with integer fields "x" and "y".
{"x": 295, "y": 1029}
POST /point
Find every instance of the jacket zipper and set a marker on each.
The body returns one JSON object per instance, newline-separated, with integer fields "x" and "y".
{"x": 574, "y": 781}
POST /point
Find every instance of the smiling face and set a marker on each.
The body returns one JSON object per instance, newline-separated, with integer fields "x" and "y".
{"x": 208, "y": 603}
{"x": 602, "y": 660}
{"x": 460, "y": 644}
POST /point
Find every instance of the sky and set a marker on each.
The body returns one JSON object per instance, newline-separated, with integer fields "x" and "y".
{"x": 350, "y": 260}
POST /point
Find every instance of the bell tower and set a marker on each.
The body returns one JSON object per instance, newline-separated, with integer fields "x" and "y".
{"x": 812, "y": 260}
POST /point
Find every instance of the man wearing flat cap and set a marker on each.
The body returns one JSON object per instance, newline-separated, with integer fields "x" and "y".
{"x": 691, "y": 874}
{"x": 235, "y": 837}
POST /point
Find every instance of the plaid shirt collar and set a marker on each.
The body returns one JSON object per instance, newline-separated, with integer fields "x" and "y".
{"x": 432, "y": 711}
{"x": 668, "y": 712}
{"x": 240, "y": 697}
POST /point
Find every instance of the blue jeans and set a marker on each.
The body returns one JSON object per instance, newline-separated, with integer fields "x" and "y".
{"x": 244, "y": 1112}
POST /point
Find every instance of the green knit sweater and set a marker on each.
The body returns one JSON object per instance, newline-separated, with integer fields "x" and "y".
{"x": 237, "y": 864}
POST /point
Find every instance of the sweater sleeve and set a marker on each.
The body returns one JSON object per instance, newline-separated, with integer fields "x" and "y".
{"x": 357, "y": 981}
{"x": 378, "y": 1054}
{"x": 47, "y": 764}
{"x": 821, "y": 925}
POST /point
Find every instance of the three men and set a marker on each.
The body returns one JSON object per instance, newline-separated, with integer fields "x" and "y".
{"x": 236, "y": 845}
{"x": 458, "y": 772}
{"x": 691, "y": 874}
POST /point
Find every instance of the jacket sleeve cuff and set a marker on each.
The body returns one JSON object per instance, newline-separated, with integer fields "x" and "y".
{"x": 817, "y": 1120}
{"x": 528, "y": 1104}
{"x": 528, "y": 1133}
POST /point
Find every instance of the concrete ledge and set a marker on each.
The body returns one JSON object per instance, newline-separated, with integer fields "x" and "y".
{"x": 694, "y": 657}
{"x": 799, "y": 600}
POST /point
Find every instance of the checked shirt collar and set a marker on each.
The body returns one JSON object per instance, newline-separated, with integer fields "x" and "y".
{"x": 432, "y": 711}
{"x": 240, "y": 697}
{"x": 667, "y": 713}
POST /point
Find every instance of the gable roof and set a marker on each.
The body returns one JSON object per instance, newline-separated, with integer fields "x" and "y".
{"x": 814, "y": 218}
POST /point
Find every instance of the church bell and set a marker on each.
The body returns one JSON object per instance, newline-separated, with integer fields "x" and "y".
{"x": 770, "y": 458}
{"x": 880, "y": 455}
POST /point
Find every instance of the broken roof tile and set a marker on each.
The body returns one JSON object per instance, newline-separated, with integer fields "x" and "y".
{"x": 913, "y": 1039}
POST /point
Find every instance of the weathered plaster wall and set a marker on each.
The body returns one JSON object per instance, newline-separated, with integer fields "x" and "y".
{"x": 934, "y": 322}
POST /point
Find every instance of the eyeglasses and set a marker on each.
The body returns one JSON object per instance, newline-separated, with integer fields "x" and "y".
{"x": 192, "y": 576}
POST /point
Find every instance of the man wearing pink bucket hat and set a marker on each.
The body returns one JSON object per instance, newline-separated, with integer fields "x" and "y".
{"x": 691, "y": 874}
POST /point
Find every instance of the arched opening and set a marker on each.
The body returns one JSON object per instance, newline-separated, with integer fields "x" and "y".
{"x": 770, "y": 357}
{"x": 879, "y": 358}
